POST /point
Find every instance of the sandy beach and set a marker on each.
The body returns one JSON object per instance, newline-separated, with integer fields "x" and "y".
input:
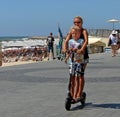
{"x": 16, "y": 63}
{"x": 19, "y": 63}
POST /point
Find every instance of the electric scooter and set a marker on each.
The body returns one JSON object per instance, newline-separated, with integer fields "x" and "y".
{"x": 69, "y": 99}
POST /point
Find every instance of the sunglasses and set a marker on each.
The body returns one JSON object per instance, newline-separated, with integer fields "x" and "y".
{"x": 77, "y": 22}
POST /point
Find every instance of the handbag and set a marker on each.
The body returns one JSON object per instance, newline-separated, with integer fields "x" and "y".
{"x": 109, "y": 42}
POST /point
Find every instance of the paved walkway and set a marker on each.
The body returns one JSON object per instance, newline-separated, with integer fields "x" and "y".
{"x": 39, "y": 89}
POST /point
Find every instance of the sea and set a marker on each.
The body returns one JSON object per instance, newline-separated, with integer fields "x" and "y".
{"x": 13, "y": 38}
{"x": 13, "y": 41}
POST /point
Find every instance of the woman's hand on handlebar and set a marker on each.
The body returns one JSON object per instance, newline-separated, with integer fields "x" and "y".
{"x": 80, "y": 51}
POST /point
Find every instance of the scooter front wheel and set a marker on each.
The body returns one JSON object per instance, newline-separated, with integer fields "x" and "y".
{"x": 67, "y": 104}
{"x": 83, "y": 99}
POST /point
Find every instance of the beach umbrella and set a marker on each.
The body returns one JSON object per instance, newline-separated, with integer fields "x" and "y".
{"x": 113, "y": 21}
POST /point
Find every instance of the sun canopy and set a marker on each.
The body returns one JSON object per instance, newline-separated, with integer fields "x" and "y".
{"x": 96, "y": 41}
{"x": 113, "y": 21}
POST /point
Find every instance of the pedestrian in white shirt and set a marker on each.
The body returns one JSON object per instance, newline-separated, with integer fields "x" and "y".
{"x": 113, "y": 38}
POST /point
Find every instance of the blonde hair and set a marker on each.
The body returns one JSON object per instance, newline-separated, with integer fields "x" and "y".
{"x": 79, "y": 17}
{"x": 76, "y": 28}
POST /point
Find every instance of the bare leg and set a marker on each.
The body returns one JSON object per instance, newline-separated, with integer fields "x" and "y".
{"x": 48, "y": 54}
{"x": 113, "y": 50}
{"x": 81, "y": 83}
{"x": 76, "y": 87}
{"x": 72, "y": 88}
{"x": 81, "y": 86}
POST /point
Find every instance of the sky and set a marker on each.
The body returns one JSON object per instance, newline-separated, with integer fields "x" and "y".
{"x": 40, "y": 17}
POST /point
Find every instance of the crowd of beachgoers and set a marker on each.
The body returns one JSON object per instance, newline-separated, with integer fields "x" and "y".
{"x": 24, "y": 50}
{"x": 24, "y": 54}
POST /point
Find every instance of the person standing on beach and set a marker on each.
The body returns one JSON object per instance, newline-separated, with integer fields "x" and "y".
{"x": 78, "y": 21}
{"x": 50, "y": 45}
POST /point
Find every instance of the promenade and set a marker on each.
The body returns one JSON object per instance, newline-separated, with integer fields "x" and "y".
{"x": 39, "y": 89}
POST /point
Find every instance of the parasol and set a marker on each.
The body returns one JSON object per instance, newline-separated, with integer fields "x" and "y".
{"x": 113, "y": 21}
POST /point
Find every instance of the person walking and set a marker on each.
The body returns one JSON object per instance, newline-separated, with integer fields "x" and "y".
{"x": 113, "y": 39}
{"x": 50, "y": 46}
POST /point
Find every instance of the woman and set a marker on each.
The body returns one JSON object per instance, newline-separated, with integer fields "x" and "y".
{"x": 113, "y": 38}
{"x": 78, "y": 21}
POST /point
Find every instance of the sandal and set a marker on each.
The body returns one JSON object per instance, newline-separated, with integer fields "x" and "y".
{"x": 73, "y": 101}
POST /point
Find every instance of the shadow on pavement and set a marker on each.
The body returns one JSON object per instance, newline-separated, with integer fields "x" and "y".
{"x": 96, "y": 106}
{"x": 106, "y": 105}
